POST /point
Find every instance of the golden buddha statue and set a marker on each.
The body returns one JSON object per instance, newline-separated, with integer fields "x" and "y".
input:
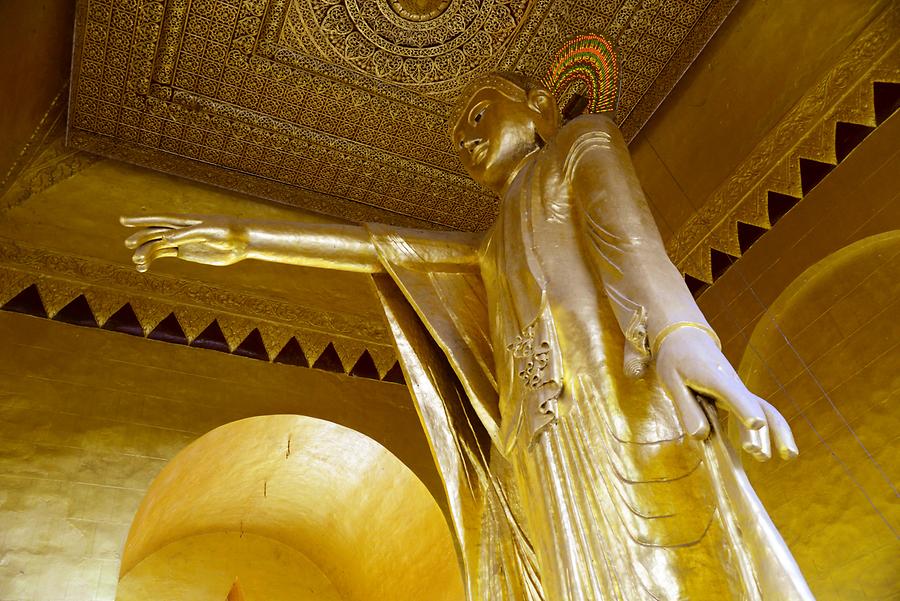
{"x": 555, "y": 361}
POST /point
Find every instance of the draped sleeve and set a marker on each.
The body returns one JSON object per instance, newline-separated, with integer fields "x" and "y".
{"x": 436, "y": 315}
{"x": 439, "y": 277}
{"x": 622, "y": 242}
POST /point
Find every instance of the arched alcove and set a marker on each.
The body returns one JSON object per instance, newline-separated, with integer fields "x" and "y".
{"x": 292, "y": 508}
{"x": 828, "y": 351}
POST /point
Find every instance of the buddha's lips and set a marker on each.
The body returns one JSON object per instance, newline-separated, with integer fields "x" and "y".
{"x": 479, "y": 152}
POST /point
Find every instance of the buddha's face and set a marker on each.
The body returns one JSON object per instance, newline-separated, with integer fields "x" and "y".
{"x": 494, "y": 133}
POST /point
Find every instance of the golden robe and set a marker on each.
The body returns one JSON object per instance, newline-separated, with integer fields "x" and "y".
{"x": 568, "y": 474}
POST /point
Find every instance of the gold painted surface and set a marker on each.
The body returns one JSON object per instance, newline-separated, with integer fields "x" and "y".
{"x": 829, "y": 345}
{"x": 45, "y": 160}
{"x": 50, "y": 236}
{"x": 88, "y": 418}
{"x": 859, "y": 198}
{"x": 39, "y": 36}
{"x": 339, "y": 498}
{"x": 807, "y": 131}
{"x": 580, "y": 350}
{"x": 419, "y": 10}
{"x": 838, "y": 317}
{"x": 341, "y": 107}
{"x": 61, "y": 278}
{"x": 70, "y": 254}
{"x": 760, "y": 63}
{"x": 740, "y": 87}
{"x": 203, "y": 568}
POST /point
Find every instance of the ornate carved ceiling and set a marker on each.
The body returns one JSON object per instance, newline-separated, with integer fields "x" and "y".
{"x": 339, "y": 106}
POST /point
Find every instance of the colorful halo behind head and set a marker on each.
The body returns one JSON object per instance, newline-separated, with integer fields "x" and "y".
{"x": 586, "y": 59}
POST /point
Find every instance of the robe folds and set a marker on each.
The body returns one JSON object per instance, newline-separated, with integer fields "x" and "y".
{"x": 568, "y": 475}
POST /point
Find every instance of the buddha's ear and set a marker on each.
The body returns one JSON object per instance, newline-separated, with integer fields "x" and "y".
{"x": 541, "y": 101}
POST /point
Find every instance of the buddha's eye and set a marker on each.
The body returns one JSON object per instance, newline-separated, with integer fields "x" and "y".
{"x": 478, "y": 112}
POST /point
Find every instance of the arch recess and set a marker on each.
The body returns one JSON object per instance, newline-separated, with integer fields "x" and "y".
{"x": 826, "y": 353}
{"x": 292, "y": 508}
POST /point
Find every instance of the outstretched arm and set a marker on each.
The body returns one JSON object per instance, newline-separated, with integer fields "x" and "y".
{"x": 654, "y": 308}
{"x": 220, "y": 240}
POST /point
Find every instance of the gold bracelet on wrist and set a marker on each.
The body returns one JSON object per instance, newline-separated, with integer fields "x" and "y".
{"x": 664, "y": 333}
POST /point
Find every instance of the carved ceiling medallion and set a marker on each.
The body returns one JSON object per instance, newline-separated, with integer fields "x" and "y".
{"x": 419, "y": 10}
{"x": 339, "y": 106}
{"x": 435, "y": 46}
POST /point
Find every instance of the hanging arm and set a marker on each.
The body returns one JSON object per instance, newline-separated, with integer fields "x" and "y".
{"x": 652, "y": 303}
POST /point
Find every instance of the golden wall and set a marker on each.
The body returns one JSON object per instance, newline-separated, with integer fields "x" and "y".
{"x": 88, "y": 418}
{"x": 832, "y": 341}
{"x": 39, "y": 36}
{"x": 810, "y": 315}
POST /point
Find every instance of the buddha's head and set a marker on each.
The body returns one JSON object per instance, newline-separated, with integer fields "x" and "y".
{"x": 498, "y": 121}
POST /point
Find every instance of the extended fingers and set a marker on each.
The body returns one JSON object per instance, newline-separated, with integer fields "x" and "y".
{"x": 160, "y": 254}
{"x": 145, "y": 235}
{"x": 188, "y": 235}
{"x": 167, "y": 221}
{"x": 153, "y": 241}
{"x": 723, "y": 384}
{"x": 692, "y": 417}
{"x": 744, "y": 406}
{"x": 150, "y": 251}
{"x": 759, "y": 443}
{"x": 182, "y": 235}
{"x": 756, "y": 442}
{"x": 781, "y": 432}
{"x": 147, "y": 251}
